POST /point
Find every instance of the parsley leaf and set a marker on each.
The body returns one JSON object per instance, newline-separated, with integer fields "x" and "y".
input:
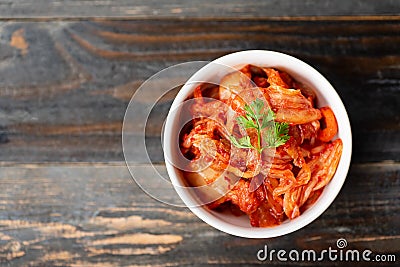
{"x": 273, "y": 133}
{"x": 246, "y": 122}
{"x": 277, "y": 135}
{"x": 243, "y": 142}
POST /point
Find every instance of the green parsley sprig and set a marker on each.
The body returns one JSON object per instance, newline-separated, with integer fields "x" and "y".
{"x": 273, "y": 133}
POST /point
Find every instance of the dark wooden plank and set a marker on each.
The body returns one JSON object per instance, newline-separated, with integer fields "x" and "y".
{"x": 94, "y": 215}
{"x": 190, "y": 9}
{"x": 64, "y": 86}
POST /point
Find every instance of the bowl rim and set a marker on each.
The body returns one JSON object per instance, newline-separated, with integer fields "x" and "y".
{"x": 329, "y": 195}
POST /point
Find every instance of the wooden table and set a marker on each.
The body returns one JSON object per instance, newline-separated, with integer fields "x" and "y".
{"x": 67, "y": 72}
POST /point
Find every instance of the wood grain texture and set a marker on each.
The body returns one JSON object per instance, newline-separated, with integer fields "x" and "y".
{"x": 67, "y": 72}
{"x": 95, "y": 215}
{"x": 193, "y": 9}
{"x": 64, "y": 86}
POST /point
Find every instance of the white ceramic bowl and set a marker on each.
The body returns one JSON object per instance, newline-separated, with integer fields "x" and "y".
{"x": 326, "y": 96}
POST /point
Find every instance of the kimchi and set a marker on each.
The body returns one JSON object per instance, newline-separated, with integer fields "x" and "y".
{"x": 259, "y": 145}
